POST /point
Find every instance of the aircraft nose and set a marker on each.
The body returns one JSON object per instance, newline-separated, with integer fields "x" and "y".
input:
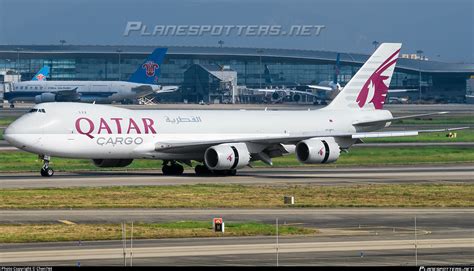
{"x": 10, "y": 133}
{"x": 7, "y": 134}
{"x": 18, "y": 134}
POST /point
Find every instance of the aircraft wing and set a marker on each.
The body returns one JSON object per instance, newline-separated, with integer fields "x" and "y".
{"x": 71, "y": 95}
{"x": 285, "y": 90}
{"x": 167, "y": 89}
{"x": 268, "y": 90}
{"x": 187, "y": 146}
{"x": 143, "y": 90}
{"x": 319, "y": 87}
{"x": 67, "y": 95}
{"x": 304, "y": 93}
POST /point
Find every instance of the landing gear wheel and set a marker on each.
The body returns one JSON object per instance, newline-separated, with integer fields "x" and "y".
{"x": 202, "y": 170}
{"x": 172, "y": 169}
{"x": 226, "y": 172}
{"x": 178, "y": 169}
{"x": 12, "y": 106}
{"x": 47, "y": 172}
{"x": 167, "y": 170}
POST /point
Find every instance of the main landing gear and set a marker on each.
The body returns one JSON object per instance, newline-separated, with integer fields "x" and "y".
{"x": 46, "y": 171}
{"x": 172, "y": 168}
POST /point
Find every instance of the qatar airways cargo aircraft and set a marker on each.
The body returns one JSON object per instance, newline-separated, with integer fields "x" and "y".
{"x": 221, "y": 141}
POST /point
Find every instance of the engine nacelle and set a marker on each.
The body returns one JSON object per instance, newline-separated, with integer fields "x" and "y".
{"x": 317, "y": 151}
{"x": 112, "y": 162}
{"x": 227, "y": 156}
{"x": 296, "y": 97}
{"x": 45, "y": 98}
{"x": 276, "y": 96}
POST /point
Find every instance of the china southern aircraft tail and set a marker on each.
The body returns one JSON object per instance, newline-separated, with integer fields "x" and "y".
{"x": 369, "y": 86}
{"x": 148, "y": 72}
{"x": 42, "y": 74}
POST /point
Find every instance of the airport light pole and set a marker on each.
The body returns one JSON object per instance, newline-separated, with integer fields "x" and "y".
{"x": 277, "y": 252}
{"x": 124, "y": 244}
{"x": 119, "y": 51}
{"x": 131, "y": 246}
{"x": 260, "y": 52}
{"x": 416, "y": 246}
{"x": 62, "y": 42}
{"x": 18, "y": 60}
{"x": 419, "y": 52}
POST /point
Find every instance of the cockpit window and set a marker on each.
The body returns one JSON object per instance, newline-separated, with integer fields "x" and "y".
{"x": 36, "y": 110}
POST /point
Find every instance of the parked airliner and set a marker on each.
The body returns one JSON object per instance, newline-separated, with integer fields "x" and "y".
{"x": 143, "y": 82}
{"x": 220, "y": 141}
{"x": 325, "y": 90}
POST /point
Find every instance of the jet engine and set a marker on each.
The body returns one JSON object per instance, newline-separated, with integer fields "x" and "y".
{"x": 276, "y": 96}
{"x": 112, "y": 162}
{"x": 45, "y": 98}
{"x": 317, "y": 151}
{"x": 227, "y": 156}
{"x": 296, "y": 97}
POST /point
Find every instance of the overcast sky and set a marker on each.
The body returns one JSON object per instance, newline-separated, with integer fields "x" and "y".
{"x": 444, "y": 30}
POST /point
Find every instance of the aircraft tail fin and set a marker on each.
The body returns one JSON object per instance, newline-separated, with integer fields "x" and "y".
{"x": 42, "y": 74}
{"x": 369, "y": 86}
{"x": 149, "y": 70}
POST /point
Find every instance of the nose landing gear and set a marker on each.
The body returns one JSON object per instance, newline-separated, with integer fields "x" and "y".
{"x": 46, "y": 171}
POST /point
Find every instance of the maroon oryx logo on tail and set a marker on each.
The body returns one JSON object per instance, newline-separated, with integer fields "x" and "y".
{"x": 150, "y": 67}
{"x": 376, "y": 86}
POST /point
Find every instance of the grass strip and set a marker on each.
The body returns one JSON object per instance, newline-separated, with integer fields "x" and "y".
{"x": 23, "y": 233}
{"x": 241, "y": 196}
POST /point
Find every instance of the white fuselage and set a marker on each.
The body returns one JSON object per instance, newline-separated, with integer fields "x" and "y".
{"x": 97, "y": 132}
{"x": 89, "y": 91}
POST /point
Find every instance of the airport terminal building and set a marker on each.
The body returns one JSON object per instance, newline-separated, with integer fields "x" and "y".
{"x": 255, "y": 67}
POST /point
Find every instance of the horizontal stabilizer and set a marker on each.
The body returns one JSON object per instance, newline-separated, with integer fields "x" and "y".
{"x": 403, "y": 133}
{"x": 374, "y": 122}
